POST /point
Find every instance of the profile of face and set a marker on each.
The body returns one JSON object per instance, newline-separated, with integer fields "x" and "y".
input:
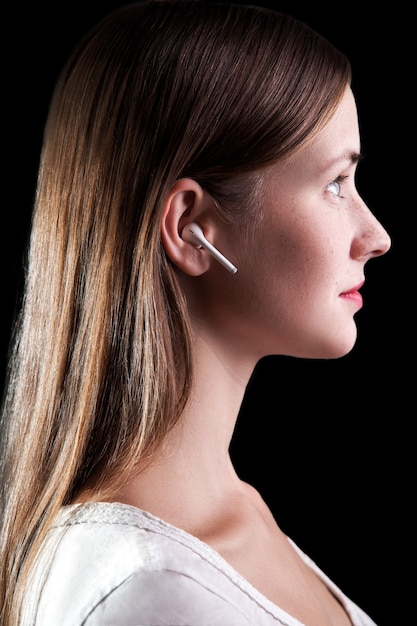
{"x": 297, "y": 288}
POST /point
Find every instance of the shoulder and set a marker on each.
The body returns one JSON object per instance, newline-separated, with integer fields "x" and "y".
{"x": 109, "y": 563}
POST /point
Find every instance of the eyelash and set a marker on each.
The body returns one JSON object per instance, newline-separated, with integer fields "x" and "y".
{"x": 339, "y": 181}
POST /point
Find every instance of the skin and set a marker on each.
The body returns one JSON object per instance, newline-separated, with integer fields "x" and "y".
{"x": 288, "y": 297}
{"x": 317, "y": 235}
{"x": 311, "y": 246}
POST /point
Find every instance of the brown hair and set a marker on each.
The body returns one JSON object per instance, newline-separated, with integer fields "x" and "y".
{"x": 100, "y": 369}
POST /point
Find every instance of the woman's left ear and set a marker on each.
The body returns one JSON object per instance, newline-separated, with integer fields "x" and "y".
{"x": 186, "y": 202}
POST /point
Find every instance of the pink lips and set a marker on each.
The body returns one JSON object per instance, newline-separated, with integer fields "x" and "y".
{"x": 353, "y": 295}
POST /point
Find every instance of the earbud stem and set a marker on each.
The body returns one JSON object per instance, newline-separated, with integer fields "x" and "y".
{"x": 193, "y": 234}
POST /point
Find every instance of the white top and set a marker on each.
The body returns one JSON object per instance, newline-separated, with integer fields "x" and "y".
{"x": 113, "y": 564}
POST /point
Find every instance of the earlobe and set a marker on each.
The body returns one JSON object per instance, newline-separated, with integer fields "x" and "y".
{"x": 186, "y": 202}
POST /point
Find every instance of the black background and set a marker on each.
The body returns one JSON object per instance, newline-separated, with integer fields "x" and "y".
{"x": 329, "y": 444}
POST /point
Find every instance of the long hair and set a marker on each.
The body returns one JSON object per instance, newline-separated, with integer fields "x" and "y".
{"x": 100, "y": 366}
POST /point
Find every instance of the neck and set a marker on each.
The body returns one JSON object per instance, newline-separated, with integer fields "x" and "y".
{"x": 194, "y": 466}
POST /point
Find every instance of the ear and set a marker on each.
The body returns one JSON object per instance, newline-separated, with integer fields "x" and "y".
{"x": 186, "y": 202}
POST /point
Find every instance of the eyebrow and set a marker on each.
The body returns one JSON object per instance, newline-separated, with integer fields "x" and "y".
{"x": 352, "y": 157}
{"x": 355, "y": 157}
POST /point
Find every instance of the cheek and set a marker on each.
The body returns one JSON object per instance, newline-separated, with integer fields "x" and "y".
{"x": 284, "y": 275}
{"x": 283, "y": 299}
{"x": 293, "y": 272}
{"x": 298, "y": 252}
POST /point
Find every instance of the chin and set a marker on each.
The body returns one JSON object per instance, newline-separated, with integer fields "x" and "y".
{"x": 340, "y": 348}
{"x": 332, "y": 347}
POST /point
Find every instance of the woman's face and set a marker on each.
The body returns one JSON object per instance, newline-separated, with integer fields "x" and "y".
{"x": 297, "y": 287}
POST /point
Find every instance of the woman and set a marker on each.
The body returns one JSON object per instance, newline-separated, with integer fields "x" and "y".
{"x": 196, "y": 211}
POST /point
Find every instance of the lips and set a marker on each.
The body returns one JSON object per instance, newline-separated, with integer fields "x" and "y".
{"x": 353, "y": 295}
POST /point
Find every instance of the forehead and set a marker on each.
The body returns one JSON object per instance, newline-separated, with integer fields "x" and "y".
{"x": 338, "y": 142}
{"x": 335, "y": 147}
{"x": 340, "y": 138}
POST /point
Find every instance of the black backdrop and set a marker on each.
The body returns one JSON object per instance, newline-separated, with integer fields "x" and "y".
{"x": 328, "y": 443}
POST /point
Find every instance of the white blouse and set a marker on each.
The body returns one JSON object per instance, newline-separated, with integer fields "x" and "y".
{"x": 110, "y": 564}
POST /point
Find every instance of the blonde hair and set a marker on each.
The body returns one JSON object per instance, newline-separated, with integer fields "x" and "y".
{"x": 100, "y": 368}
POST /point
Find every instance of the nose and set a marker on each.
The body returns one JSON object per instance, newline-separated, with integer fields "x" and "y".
{"x": 372, "y": 239}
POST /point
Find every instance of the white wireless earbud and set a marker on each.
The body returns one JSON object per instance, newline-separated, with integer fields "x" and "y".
{"x": 192, "y": 233}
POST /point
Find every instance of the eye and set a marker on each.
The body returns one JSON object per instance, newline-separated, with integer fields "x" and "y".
{"x": 335, "y": 187}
